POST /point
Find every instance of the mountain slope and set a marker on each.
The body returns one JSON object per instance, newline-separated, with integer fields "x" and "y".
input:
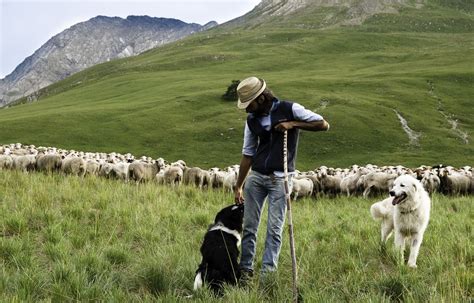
{"x": 323, "y": 13}
{"x": 85, "y": 44}
{"x": 166, "y": 102}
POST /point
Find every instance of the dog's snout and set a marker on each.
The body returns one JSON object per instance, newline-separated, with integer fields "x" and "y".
{"x": 392, "y": 193}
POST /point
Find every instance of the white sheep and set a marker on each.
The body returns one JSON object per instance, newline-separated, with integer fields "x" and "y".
{"x": 141, "y": 172}
{"x": 121, "y": 171}
{"x": 24, "y": 163}
{"x": 217, "y": 177}
{"x": 160, "y": 176}
{"x": 105, "y": 169}
{"x": 431, "y": 182}
{"x": 6, "y": 162}
{"x": 230, "y": 180}
{"x": 302, "y": 187}
{"x": 196, "y": 176}
{"x": 349, "y": 183}
{"x": 48, "y": 163}
{"x": 92, "y": 167}
{"x": 173, "y": 175}
{"x": 73, "y": 165}
{"x": 378, "y": 181}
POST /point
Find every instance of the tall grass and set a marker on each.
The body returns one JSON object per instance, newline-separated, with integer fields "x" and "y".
{"x": 67, "y": 239}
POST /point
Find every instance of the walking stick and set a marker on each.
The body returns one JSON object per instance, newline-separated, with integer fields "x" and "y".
{"x": 290, "y": 218}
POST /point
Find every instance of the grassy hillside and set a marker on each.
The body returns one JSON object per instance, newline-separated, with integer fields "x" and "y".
{"x": 166, "y": 102}
{"x": 72, "y": 239}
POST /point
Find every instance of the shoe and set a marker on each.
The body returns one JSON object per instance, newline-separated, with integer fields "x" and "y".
{"x": 246, "y": 276}
{"x": 268, "y": 282}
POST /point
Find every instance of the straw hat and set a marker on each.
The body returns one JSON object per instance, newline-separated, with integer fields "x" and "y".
{"x": 248, "y": 90}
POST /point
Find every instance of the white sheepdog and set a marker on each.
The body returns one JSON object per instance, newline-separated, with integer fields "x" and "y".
{"x": 407, "y": 212}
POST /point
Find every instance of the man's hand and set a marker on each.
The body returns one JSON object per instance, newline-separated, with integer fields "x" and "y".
{"x": 284, "y": 126}
{"x": 239, "y": 198}
{"x": 320, "y": 125}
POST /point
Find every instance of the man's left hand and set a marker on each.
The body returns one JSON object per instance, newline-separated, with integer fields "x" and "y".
{"x": 284, "y": 126}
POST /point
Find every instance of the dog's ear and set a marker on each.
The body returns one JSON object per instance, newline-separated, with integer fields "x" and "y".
{"x": 415, "y": 187}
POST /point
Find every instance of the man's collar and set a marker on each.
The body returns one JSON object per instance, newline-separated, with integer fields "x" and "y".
{"x": 275, "y": 104}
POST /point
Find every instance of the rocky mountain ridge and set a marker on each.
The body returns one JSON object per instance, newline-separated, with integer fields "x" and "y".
{"x": 353, "y": 12}
{"x": 88, "y": 43}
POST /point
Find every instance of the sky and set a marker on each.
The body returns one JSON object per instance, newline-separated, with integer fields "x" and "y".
{"x": 25, "y": 25}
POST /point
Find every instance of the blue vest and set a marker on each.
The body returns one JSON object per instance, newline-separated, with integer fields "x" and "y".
{"x": 269, "y": 155}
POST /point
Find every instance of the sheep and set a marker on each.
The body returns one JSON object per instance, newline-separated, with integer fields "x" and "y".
{"x": 24, "y": 163}
{"x": 217, "y": 177}
{"x": 105, "y": 170}
{"x": 48, "y": 163}
{"x": 161, "y": 162}
{"x": 6, "y": 162}
{"x": 317, "y": 187}
{"x": 74, "y": 166}
{"x": 6, "y": 150}
{"x": 330, "y": 185}
{"x": 92, "y": 167}
{"x": 471, "y": 187}
{"x": 230, "y": 180}
{"x": 120, "y": 171}
{"x": 454, "y": 183}
{"x": 141, "y": 172}
{"x": 378, "y": 181}
{"x": 196, "y": 176}
{"x": 20, "y": 152}
{"x": 302, "y": 187}
{"x": 349, "y": 184}
{"x": 160, "y": 176}
{"x": 179, "y": 163}
{"x": 431, "y": 182}
{"x": 173, "y": 175}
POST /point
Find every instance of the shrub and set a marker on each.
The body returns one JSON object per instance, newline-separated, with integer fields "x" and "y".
{"x": 231, "y": 93}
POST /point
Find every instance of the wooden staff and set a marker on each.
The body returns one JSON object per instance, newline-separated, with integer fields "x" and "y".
{"x": 290, "y": 218}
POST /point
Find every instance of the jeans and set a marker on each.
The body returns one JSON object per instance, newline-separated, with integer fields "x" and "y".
{"x": 257, "y": 188}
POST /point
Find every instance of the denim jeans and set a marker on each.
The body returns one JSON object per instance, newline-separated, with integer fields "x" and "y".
{"x": 257, "y": 188}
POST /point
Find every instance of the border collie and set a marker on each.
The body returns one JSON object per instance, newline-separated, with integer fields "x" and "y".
{"x": 220, "y": 250}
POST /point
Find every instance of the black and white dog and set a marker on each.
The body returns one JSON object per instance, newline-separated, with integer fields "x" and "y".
{"x": 220, "y": 250}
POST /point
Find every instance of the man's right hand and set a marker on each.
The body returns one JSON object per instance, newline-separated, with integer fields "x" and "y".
{"x": 239, "y": 198}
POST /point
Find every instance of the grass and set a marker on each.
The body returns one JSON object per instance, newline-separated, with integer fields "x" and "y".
{"x": 166, "y": 102}
{"x": 72, "y": 239}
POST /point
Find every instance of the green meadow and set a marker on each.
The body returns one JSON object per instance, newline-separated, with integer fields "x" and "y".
{"x": 167, "y": 101}
{"x": 65, "y": 239}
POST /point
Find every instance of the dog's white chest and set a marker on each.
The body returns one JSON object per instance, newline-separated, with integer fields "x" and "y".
{"x": 229, "y": 231}
{"x": 408, "y": 223}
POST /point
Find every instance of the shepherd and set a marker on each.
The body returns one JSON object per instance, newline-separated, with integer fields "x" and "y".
{"x": 268, "y": 120}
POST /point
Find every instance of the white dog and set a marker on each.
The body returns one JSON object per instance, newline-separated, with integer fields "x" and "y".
{"x": 407, "y": 211}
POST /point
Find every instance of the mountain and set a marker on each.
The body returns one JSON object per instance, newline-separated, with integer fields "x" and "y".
{"x": 331, "y": 12}
{"x": 396, "y": 89}
{"x": 85, "y": 44}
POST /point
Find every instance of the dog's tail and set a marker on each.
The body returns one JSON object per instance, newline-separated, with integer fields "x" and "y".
{"x": 379, "y": 210}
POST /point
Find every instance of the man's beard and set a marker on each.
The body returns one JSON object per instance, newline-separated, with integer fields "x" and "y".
{"x": 262, "y": 110}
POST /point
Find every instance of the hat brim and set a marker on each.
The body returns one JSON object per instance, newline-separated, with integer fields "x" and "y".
{"x": 243, "y": 105}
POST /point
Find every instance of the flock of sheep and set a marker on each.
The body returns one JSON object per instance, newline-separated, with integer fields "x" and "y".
{"x": 356, "y": 180}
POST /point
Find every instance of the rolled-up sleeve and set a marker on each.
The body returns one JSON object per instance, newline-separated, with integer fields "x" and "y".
{"x": 250, "y": 142}
{"x": 302, "y": 114}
